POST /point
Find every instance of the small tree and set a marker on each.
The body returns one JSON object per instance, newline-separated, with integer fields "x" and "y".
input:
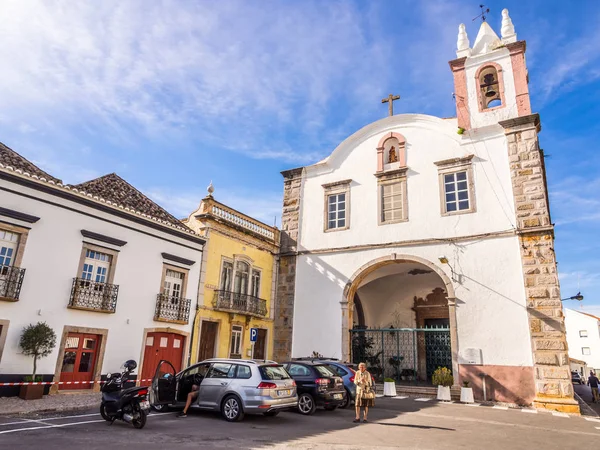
{"x": 38, "y": 341}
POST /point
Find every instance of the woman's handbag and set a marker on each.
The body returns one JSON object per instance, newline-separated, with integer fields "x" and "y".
{"x": 368, "y": 394}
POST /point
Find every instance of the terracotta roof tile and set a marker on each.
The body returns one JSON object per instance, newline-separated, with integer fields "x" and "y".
{"x": 115, "y": 189}
{"x": 9, "y": 157}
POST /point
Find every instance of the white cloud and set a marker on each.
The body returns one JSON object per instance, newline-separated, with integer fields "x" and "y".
{"x": 175, "y": 65}
{"x": 576, "y": 199}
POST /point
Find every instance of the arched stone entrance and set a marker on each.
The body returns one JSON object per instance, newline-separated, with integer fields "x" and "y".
{"x": 401, "y": 291}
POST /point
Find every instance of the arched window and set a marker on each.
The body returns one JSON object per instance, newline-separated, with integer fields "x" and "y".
{"x": 242, "y": 271}
{"x": 391, "y": 152}
{"x": 490, "y": 87}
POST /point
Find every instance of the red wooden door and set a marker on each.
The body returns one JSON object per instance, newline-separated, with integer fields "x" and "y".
{"x": 160, "y": 346}
{"x": 79, "y": 360}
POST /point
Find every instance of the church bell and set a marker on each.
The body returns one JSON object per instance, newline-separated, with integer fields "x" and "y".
{"x": 488, "y": 85}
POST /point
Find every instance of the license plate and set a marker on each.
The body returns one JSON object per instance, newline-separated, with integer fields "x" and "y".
{"x": 338, "y": 396}
{"x": 285, "y": 393}
{"x": 145, "y": 405}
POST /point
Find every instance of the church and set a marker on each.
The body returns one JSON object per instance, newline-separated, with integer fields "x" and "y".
{"x": 422, "y": 242}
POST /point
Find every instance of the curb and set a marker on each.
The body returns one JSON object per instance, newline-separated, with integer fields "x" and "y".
{"x": 57, "y": 409}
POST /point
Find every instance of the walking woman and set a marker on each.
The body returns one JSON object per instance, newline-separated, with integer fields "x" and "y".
{"x": 365, "y": 395}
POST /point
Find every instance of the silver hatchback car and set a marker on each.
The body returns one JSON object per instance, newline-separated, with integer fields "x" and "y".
{"x": 232, "y": 386}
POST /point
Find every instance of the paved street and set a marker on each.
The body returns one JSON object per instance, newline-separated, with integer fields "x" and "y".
{"x": 395, "y": 423}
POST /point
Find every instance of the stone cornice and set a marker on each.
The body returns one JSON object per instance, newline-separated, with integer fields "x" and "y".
{"x": 518, "y": 123}
{"x": 457, "y": 64}
{"x": 516, "y": 47}
{"x": 454, "y": 161}
{"x": 292, "y": 173}
{"x": 337, "y": 184}
{"x": 18, "y": 215}
{"x": 391, "y": 174}
{"x": 103, "y": 238}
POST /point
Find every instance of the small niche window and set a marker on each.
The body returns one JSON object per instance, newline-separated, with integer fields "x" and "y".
{"x": 585, "y": 351}
{"x": 583, "y": 333}
{"x": 489, "y": 88}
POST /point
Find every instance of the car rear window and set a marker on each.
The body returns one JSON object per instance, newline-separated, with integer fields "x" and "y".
{"x": 273, "y": 373}
{"x": 325, "y": 371}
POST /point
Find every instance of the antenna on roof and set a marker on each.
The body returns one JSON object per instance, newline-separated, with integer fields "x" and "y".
{"x": 483, "y": 13}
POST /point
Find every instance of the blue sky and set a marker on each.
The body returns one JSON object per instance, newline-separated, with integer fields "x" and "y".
{"x": 174, "y": 94}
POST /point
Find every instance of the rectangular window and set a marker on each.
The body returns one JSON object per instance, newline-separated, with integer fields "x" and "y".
{"x": 173, "y": 285}
{"x": 255, "y": 283}
{"x": 226, "y": 273}
{"x": 585, "y": 351}
{"x": 583, "y": 333}
{"x": 456, "y": 191}
{"x": 8, "y": 247}
{"x": 96, "y": 266}
{"x": 336, "y": 211}
{"x": 236, "y": 340}
{"x": 391, "y": 202}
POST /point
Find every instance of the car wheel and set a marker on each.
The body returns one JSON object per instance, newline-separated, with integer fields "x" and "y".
{"x": 231, "y": 409}
{"x": 306, "y": 404}
{"x": 331, "y": 408}
{"x": 271, "y": 413}
{"x": 160, "y": 408}
{"x": 347, "y": 400}
{"x": 104, "y": 414}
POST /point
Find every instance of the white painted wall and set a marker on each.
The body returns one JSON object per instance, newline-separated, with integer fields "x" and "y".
{"x": 576, "y": 322}
{"x": 428, "y": 140}
{"x": 51, "y": 261}
{"x": 491, "y": 308}
{"x": 491, "y": 313}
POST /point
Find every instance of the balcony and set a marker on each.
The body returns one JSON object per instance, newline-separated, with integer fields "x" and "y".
{"x": 172, "y": 309}
{"x": 11, "y": 280}
{"x": 239, "y": 303}
{"x": 93, "y": 296}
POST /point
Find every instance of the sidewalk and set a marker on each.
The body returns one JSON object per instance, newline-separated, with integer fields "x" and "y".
{"x": 56, "y": 402}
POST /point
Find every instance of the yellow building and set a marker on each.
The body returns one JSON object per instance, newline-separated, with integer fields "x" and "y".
{"x": 237, "y": 284}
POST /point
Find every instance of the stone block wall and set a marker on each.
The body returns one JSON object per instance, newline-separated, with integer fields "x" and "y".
{"x": 286, "y": 275}
{"x": 552, "y": 377}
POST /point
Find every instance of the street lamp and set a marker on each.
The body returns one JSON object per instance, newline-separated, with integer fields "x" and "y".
{"x": 577, "y": 297}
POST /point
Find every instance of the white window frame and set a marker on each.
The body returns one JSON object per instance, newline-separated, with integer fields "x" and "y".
{"x": 222, "y": 279}
{"x": 237, "y": 333}
{"x": 9, "y": 246}
{"x": 253, "y": 289}
{"x": 583, "y": 351}
{"x": 100, "y": 267}
{"x": 174, "y": 286}
{"x": 583, "y": 333}
{"x": 335, "y": 189}
{"x": 453, "y": 167}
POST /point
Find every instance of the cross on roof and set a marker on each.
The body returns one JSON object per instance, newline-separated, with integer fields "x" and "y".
{"x": 390, "y": 99}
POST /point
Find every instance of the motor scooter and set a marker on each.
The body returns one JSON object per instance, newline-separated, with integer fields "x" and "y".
{"x": 130, "y": 404}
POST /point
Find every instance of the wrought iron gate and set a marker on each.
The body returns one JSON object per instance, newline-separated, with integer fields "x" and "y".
{"x": 404, "y": 354}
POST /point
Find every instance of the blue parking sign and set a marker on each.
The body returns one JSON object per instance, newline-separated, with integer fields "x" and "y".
{"x": 253, "y": 334}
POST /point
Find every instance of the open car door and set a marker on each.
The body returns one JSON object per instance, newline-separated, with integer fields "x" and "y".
{"x": 164, "y": 384}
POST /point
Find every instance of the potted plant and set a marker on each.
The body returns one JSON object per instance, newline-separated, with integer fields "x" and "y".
{"x": 389, "y": 387}
{"x": 466, "y": 393}
{"x": 37, "y": 341}
{"x": 395, "y": 362}
{"x": 442, "y": 377}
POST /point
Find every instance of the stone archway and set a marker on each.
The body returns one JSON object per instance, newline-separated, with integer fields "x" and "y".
{"x": 363, "y": 273}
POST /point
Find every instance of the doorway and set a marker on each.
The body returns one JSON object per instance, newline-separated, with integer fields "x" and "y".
{"x": 159, "y": 346}
{"x": 260, "y": 350}
{"x": 79, "y": 361}
{"x": 208, "y": 339}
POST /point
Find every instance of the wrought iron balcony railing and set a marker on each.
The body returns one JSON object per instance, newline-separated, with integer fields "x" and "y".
{"x": 171, "y": 308}
{"x": 11, "y": 280}
{"x": 240, "y": 303}
{"x": 93, "y": 296}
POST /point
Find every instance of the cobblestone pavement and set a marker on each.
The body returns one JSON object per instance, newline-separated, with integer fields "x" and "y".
{"x": 59, "y": 402}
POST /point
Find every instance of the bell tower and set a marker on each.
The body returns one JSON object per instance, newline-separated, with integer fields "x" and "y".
{"x": 490, "y": 78}
{"x": 490, "y": 82}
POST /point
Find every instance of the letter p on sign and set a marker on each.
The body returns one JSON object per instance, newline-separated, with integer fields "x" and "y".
{"x": 253, "y": 334}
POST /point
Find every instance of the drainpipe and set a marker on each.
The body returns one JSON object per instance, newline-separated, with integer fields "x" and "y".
{"x": 483, "y": 384}
{"x": 200, "y": 286}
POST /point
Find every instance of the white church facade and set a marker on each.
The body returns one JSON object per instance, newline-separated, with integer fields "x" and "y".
{"x": 423, "y": 242}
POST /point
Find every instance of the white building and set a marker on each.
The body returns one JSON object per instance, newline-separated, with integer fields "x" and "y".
{"x": 112, "y": 273}
{"x": 416, "y": 221}
{"x": 583, "y": 337}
